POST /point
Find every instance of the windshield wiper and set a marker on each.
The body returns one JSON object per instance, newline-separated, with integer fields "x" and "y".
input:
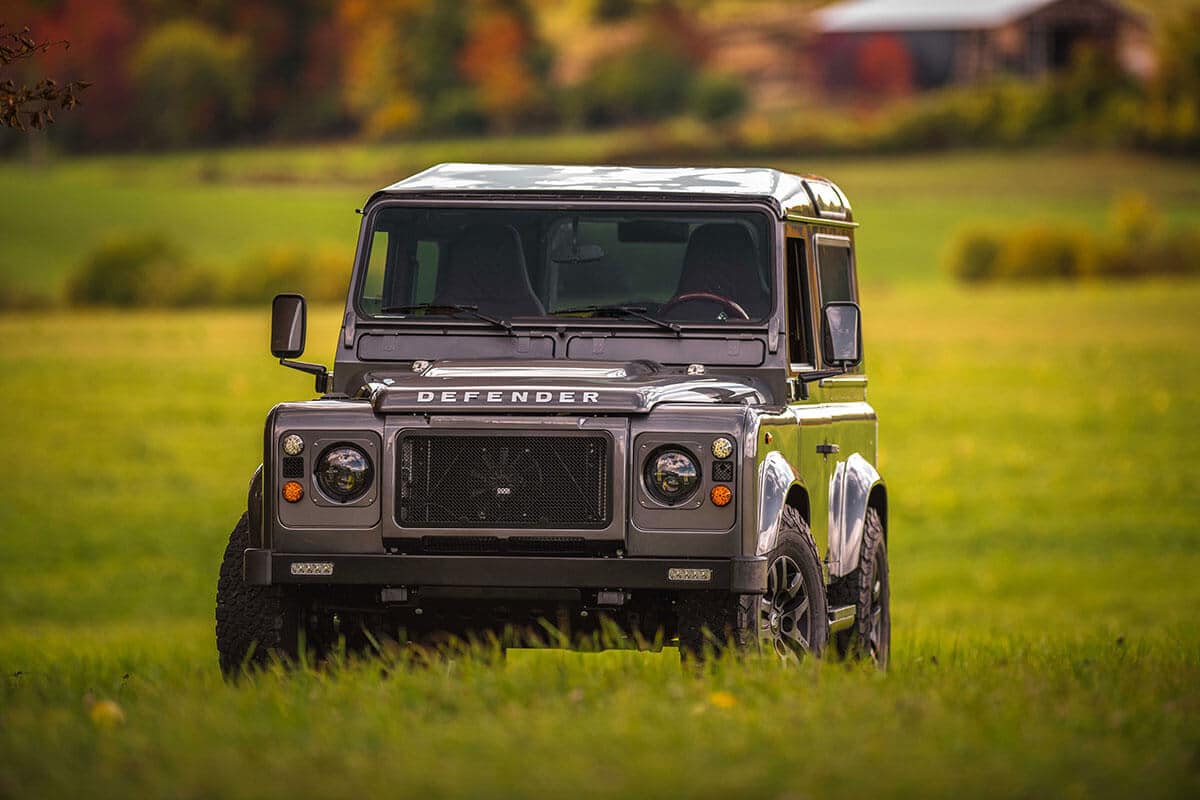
{"x": 629, "y": 311}
{"x": 454, "y": 307}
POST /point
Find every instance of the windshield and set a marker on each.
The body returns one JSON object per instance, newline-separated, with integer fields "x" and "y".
{"x": 526, "y": 265}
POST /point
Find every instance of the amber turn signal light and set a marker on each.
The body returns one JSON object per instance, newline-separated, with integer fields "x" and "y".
{"x": 292, "y": 492}
{"x": 721, "y": 495}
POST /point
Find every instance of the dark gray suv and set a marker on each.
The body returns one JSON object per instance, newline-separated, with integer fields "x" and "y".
{"x": 575, "y": 394}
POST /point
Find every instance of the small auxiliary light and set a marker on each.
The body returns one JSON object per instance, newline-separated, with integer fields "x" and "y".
{"x": 722, "y": 448}
{"x": 721, "y": 495}
{"x": 292, "y": 492}
{"x": 293, "y": 445}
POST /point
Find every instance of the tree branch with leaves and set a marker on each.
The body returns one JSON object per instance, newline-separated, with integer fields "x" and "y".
{"x": 27, "y": 107}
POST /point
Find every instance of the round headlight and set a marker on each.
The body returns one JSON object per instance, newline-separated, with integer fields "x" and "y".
{"x": 344, "y": 472}
{"x": 672, "y": 475}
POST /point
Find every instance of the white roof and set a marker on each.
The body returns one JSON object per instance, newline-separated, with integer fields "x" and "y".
{"x": 855, "y": 16}
{"x": 785, "y": 189}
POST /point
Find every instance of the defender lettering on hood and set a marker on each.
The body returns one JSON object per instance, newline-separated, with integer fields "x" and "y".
{"x": 470, "y": 396}
{"x": 640, "y": 387}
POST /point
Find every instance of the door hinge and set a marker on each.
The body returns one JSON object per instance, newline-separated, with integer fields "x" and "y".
{"x": 827, "y": 449}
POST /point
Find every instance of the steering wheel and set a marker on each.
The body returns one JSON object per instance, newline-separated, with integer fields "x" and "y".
{"x": 712, "y": 297}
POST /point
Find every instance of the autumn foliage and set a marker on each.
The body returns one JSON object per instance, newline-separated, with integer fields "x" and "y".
{"x": 24, "y": 106}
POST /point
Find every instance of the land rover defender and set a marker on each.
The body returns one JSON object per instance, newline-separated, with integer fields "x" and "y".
{"x": 573, "y": 394}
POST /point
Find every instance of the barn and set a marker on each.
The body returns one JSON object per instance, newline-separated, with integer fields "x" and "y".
{"x": 893, "y": 46}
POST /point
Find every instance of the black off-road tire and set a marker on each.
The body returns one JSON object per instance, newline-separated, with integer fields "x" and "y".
{"x": 867, "y": 587}
{"x": 710, "y": 621}
{"x": 254, "y": 623}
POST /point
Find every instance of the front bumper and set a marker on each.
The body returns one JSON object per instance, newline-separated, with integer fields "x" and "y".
{"x": 746, "y": 575}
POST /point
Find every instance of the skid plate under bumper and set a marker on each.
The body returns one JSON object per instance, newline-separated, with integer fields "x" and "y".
{"x": 737, "y": 575}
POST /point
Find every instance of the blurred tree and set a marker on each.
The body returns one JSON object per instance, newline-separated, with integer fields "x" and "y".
{"x": 192, "y": 83}
{"x": 22, "y": 106}
{"x": 293, "y": 63}
{"x": 613, "y": 10}
{"x": 440, "y": 65}
{"x": 718, "y": 98}
{"x": 1172, "y": 118}
{"x": 495, "y": 59}
{"x": 649, "y": 81}
{"x": 103, "y": 34}
{"x": 376, "y": 80}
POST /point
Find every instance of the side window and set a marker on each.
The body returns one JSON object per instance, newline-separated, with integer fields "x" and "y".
{"x": 835, "y": 268}
{"x": 372, "y": 288}
{"x": 399, "y": 273}
{"x": 799, "y": 316}
{"x": 428, "y": 255}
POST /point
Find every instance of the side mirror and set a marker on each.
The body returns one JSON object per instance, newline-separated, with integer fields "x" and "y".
{"x": 289, "y": 322}
{"x": 841, "y": 333}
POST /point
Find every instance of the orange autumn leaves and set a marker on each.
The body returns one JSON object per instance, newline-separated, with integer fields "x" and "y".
{"x": 419, "y": 66}
{"x": 494, "y": 61}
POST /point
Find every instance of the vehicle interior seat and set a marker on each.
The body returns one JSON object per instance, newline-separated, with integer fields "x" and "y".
{"x": 485, "y": 267}
{"x": 721, "y": 258}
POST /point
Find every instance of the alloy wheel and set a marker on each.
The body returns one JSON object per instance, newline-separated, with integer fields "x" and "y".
{"x": 785, "y": 616}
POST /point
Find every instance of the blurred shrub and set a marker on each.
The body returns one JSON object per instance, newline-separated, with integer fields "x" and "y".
{"x": 972, "y": 254}
{"x": 21, "y": 298}
{"x": 1177, "y": 253}
{"x": 718, "y": 98}
{"x": 319, "y": 274}
{"x": 139, "y": 269}
{"x": 1137, "y": 245}
{"x": 193, "y": 84}
{"x": 646, "y": 82}
{"x": 1040, "y": 252}
{"x": 456, "y": 110}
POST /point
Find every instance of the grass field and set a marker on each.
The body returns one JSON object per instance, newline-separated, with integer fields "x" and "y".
{"x": 1041, "y": 446}
{"x": 223, "y": 206}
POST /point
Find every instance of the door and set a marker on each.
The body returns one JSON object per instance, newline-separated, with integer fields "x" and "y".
{"x": 853, "y": 428}
{"x": 814, "y": 421}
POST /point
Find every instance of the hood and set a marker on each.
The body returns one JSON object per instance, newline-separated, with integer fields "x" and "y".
{"x": 536, "y": 387}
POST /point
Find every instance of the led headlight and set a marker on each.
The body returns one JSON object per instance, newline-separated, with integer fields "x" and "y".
{"x": 672, "y": 475}
{"x": 293, "y": 445}
{"x": 344, "y": 472}
{"x": 722, "y": 448}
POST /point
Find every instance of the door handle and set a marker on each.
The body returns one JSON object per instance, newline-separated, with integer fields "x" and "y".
{"x": 827, "y": 449}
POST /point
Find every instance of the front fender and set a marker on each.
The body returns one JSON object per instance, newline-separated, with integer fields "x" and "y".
{"x": 849, "y": 494}
{"x": 254, "y": 508}
{"x": 775, "y": 480}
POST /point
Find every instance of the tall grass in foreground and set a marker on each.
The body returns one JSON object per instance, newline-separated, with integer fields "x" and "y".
{"x": 988, "y": 717}
{"x": 1041, "y": 447}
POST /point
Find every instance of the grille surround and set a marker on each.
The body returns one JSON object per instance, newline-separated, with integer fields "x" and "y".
{"x": 513, "y": 480}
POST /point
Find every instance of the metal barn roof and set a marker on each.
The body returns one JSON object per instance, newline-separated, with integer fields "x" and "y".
{"x": 863, "y": 16}
{"x": 785, "y": 191}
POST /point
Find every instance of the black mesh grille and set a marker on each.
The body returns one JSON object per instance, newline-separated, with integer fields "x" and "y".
{"x": 722, "y": 471}
{"x": 547, "y": 544}
{"x": 480, "y": 481}
{"x": 461, "y": 544}
{"x": 293, "y": 467}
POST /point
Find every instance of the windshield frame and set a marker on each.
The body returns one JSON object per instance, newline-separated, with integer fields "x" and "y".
{"x": 559, "y": 204}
